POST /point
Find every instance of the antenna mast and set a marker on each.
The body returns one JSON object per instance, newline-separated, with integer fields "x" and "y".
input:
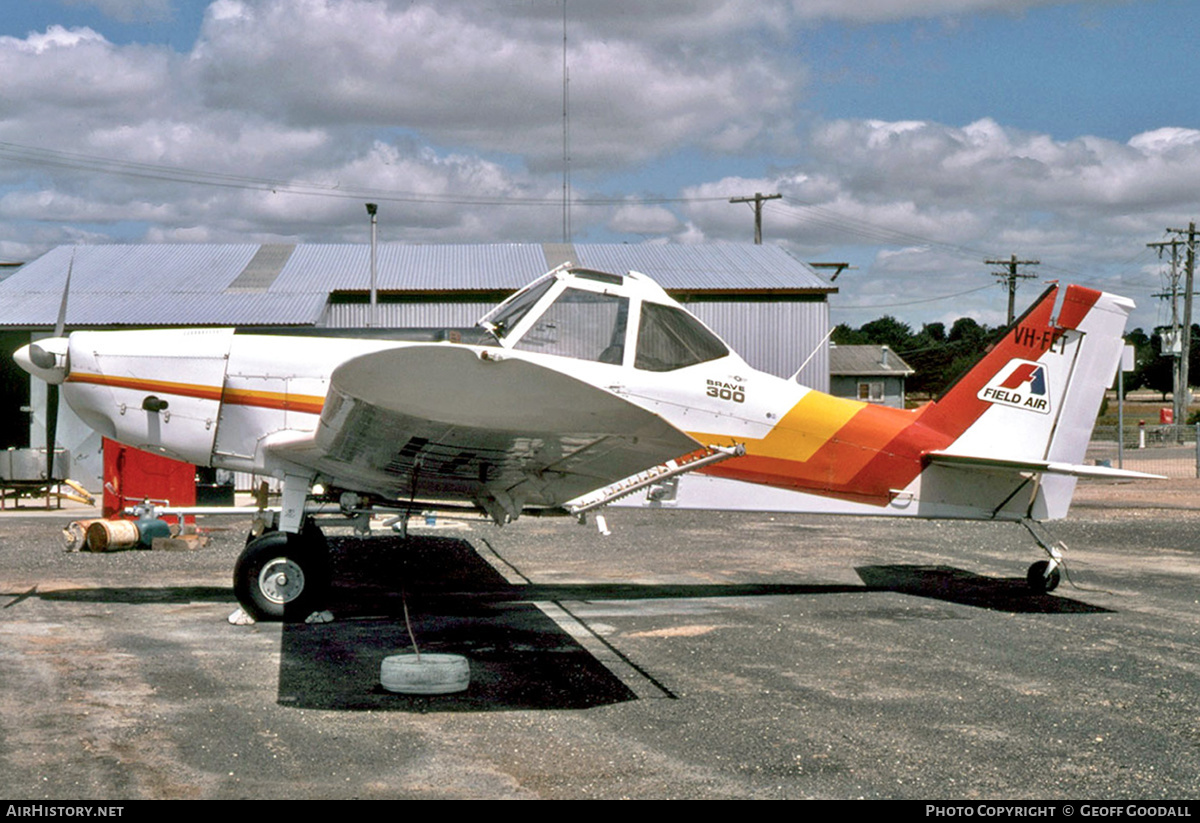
{"x": 566, "y": 136}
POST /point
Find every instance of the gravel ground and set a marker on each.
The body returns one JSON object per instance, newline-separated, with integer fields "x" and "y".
{"x": 687, "y": 655}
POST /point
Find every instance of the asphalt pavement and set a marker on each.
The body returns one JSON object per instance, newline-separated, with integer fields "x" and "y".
{"x": 697, "y": 655}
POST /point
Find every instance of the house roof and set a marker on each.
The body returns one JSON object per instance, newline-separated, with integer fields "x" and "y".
{"x": 866, "y": 361}
{"x": 289, "y": 284}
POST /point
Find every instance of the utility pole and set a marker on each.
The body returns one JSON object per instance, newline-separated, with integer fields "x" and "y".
{"x": 757, "y": 200}
{"x": 1172, "y": 345}
{"x": 1185, "y": 391}
{"x": 1012, "y": 275}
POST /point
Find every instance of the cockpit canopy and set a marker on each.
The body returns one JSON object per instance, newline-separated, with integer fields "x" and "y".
{"x": 592, "y": 315}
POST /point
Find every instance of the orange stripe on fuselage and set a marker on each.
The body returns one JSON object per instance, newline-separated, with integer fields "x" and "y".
{"x": 822, "y": 444}
{"x": 307, "y": 403}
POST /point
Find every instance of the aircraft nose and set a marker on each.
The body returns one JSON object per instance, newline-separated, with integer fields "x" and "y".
{"x": 45, "y": 359}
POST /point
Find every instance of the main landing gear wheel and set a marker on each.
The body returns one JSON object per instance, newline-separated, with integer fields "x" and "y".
{"x": 282, "y": 576}
{"x": 1039, "y": 581}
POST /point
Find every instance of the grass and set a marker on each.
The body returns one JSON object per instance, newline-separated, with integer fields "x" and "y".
{"x": 1139, "y": 405}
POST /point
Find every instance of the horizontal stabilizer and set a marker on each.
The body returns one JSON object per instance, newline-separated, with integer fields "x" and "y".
{"x": 1038, "y": 466}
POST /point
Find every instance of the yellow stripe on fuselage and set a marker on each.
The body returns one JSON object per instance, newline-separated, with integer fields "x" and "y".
{"x": 807, "y": 426}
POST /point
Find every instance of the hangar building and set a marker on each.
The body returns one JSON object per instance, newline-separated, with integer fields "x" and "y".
{"x": 771, "y": 308}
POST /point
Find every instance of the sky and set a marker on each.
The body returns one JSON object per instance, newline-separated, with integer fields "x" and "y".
{"x": 913, "y": 139}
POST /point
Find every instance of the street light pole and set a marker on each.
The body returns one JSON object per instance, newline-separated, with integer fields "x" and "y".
{"x": 373, "y": 320}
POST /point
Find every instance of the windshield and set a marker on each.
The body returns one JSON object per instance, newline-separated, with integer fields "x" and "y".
{"x": 504, "y": 318}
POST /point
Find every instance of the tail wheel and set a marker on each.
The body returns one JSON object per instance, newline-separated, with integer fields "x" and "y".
{"x": 1039, "y": 581}
{"x": 282, "y": 576}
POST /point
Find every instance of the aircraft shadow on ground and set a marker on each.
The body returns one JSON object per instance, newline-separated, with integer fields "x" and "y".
{"x": 953, "y": 585}
{"x": 519, "y": 657}
{"x": 457, "y": 603}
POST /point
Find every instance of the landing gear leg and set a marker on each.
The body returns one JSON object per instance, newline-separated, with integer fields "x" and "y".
{"x": 399, "y": 524}
{"x": 1044, "y": 576}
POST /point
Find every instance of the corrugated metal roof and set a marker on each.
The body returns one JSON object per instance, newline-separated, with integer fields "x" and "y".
{"x": 107, "y": 308}
{"x": 263, "y": 268}
{"x": 198, "y": 284}
{"x": 403, "y": 267}
{"x": 866, "y": 361}
{"x": 720, "y": 266}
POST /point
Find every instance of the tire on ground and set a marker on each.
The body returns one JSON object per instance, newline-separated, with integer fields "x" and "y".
{"x": 282, "y": 576}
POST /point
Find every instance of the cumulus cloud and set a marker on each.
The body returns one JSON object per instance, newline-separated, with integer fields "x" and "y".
{"x": 478, "y": 79}
{"x": 984, "y": 163}
{"x": 926, "y": 203}
{"x": 76, "y": 78}
{"x": 309, "y": 90}
{"x": 129, "y": 11}
{"x": 283, "y": 116}
{"x": 645, "y": 220}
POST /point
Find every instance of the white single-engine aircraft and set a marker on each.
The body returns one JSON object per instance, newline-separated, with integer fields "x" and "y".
{"x": 579, "y": 389}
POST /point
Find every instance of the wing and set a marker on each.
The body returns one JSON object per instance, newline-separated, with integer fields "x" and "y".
{"x": 452, "y": 421}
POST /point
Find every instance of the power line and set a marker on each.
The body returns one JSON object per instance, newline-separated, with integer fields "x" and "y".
{"x": 812, "y": 214}
{"x": 911, "y": 302}
{"x": 833, "y": 220}
{"x": 1012, "y": 276}
{"x": 176, "y": 174}
{"x": 1183, "y": 392}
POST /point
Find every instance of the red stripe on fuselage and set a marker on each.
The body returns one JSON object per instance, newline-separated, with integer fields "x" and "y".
{"x": 138, "y": 384}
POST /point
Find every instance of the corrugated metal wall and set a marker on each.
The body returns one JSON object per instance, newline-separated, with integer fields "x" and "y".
{"x": 406, "y": 315}
{"x": 774, "y": 336}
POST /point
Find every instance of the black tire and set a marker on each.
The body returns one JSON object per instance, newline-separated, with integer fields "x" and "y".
{"x": 251, "y": 536}
{"x": 281, "y": 576}
{"x": 1038, "y": 582}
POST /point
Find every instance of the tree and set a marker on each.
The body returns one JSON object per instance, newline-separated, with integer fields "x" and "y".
{"x": 968, "y": 332}
{"x": 844, "y": 335}
{"x": 934, "y": 332}
{"x": 1157, "y": 371}
{"x": 937, "y": 357}
{"x": 888, "y": 331}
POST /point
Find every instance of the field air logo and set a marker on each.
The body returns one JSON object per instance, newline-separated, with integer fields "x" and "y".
{"x": 1021, "y": 384}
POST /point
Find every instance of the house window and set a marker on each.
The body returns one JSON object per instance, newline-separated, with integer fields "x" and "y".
{"x": 870, "y": 392}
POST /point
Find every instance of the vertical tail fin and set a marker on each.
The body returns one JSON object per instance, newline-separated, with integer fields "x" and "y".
{"x": 1034, "y": 396}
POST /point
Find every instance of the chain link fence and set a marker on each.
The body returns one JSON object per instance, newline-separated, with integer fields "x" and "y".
{"x": 1157, "y": 449}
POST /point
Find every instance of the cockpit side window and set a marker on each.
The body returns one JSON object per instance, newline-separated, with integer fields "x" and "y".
{"x": 582, "y": 324}
{"x": 670, "y": 338}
